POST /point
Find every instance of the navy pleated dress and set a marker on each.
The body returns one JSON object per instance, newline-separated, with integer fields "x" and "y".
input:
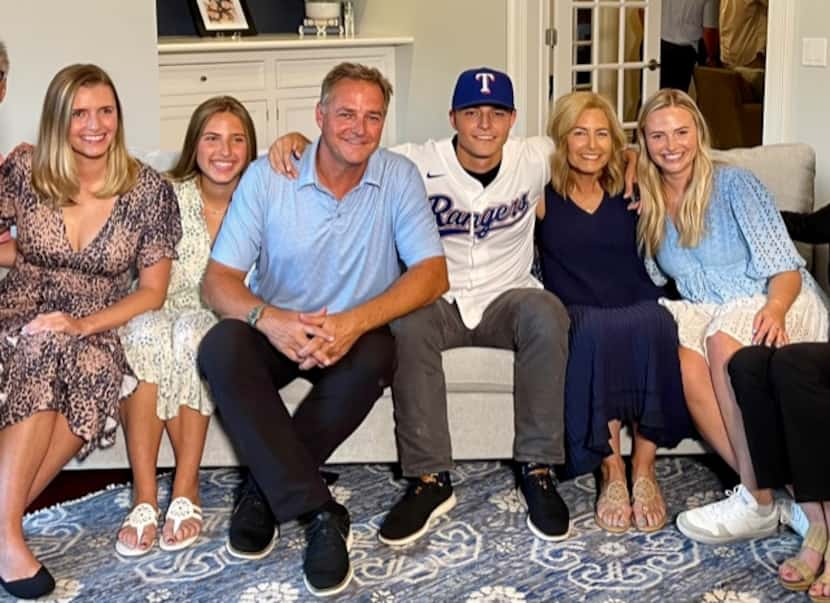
{"x": 623, "y": 361}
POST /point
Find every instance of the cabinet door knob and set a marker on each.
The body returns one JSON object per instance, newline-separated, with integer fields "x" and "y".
{"x": 203, "y": 78}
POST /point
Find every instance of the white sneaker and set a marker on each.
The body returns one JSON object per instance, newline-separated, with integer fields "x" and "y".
{"x": 792, "y": 515}
{"x": 734, "y": 518}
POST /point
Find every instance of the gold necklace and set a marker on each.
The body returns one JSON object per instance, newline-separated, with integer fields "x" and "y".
{"x": 213, "y": 212}
{"x": 205, "y": 209}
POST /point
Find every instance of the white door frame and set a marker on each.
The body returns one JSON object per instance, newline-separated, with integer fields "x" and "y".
{"x": 779, "y": 71}
{"x": 527, "y": 65}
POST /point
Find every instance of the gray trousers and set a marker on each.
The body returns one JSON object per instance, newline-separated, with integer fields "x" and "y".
{"x": 531, "y": 322}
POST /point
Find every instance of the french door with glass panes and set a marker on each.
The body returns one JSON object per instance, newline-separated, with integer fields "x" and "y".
{"x": 609, "y": 46}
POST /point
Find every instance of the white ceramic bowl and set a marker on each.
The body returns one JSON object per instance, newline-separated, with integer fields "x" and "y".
{"x": 322, "y": 10}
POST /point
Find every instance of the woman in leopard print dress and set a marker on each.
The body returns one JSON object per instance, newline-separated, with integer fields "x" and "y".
{"x": 88, "y": 216}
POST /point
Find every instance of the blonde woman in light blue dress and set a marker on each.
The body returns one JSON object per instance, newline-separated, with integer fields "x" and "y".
{"x": 161, "y": 346}
{"x": 715, "y": 230}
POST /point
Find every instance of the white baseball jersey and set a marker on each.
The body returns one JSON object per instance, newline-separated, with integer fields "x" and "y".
{"x": 487, "y": 233}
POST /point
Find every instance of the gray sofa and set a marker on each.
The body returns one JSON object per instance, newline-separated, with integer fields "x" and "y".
{"x": 479, "y": 380}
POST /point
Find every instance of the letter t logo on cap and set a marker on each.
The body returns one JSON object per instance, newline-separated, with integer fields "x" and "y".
{"x": 485, "y": 79}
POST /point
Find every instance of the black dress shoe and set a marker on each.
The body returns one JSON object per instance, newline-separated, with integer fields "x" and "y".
{"x": 253, "y": 532}
{"x": 547, "y": 514}
{"x": 42, "y": 583}
{"x": 326, "y": 566}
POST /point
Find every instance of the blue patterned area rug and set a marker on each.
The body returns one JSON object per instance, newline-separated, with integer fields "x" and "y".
{"x": 481, "y": 552}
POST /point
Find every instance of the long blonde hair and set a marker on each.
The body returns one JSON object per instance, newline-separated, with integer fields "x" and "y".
{"x": 187, "y": 167}
{"x": 691, "y": 214}
{"x": 54, "y": 173}
{"x": 563, "y": 119}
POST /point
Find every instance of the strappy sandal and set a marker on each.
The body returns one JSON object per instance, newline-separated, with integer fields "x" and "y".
{"x": 824, "y": 579}
{"x": 139, "y": 518}
{"x": 179, "y": 511}
{"x": 613, "y": 496}
{"x": 646, "y": 493}
{"x": 815, "y": 540}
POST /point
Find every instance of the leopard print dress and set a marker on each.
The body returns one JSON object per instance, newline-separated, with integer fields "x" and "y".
{"x": 83, "y": 378}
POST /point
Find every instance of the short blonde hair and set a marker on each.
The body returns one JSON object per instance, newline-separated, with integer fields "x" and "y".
{"x": 691, "y": 216}
{"x": 355, "y": 71}
{"x": 187, "y": 167}
{"x": 54, "y": 173}
{"x": 563, "y": 119}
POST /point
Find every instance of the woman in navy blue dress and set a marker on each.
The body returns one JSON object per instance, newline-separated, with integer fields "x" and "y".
{"x": 623, "y": 366}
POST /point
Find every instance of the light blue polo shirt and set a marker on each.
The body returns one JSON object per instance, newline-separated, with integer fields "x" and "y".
{"x": 311, "y": 250}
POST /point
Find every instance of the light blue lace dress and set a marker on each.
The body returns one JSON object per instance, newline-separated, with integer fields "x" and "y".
{"x": 724, "y": 279}
{"x": 161, "y": 346}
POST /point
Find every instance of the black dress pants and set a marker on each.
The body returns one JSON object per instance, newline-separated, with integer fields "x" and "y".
{"x": 677, "y": 63}
{"x": 784, "y": 395}
{"x": 284, "y": 453}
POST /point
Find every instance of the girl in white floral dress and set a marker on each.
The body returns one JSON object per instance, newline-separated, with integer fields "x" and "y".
{"x": 161, "y": 346}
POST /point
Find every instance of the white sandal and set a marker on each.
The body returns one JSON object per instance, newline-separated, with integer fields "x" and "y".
{"x": 139, "y": 518}
{"x": 180, "y": 510}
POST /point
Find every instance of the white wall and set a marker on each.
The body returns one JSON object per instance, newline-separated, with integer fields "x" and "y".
{"x": 44, "y": 35}
{"x": 809, "y": 120}
{"x": 450, "y": 36}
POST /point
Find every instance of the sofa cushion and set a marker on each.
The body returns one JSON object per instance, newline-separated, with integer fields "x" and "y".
{"x": 466, "y": 370}
{"x": 161, "y": 161}
{"x": 787, "y": 170}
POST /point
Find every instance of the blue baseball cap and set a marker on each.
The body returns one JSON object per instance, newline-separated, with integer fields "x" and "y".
{"x": 483, "y": 86}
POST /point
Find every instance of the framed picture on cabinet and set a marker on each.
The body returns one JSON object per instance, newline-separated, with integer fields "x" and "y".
{"x": 215, "y": 17}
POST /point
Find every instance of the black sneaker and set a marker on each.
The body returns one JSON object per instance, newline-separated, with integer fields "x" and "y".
{"x": 254, "y": 531}
{"x": 326, "y": 566}
{"x": 547, "y": 514}
{"x": 426, "y": 498}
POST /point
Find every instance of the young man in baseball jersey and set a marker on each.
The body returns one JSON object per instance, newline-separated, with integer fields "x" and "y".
{"x": 484, "y": 190}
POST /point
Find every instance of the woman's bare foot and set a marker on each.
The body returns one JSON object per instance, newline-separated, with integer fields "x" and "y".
{"x": 16, "y": 560}
{"x": 613, "y": 512}
{"x": 142, "y": 518}
{"x": 799, "y": 573}
{"x": 788, "y": 573}
{"x": 188, "y": 528}
{"x": 647, "y": 503}
{"x": 821, "y": 587}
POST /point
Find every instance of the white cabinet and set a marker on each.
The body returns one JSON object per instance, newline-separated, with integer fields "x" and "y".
{"x": 277, "y": 78}
{"x": 176, "y": 117}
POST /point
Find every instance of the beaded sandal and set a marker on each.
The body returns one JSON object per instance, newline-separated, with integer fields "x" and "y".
{"x": 815, "y": 540}
{"x": 179, "y": 511}
{"x": 646, "y": 494}
{"x": 824, "y": 579}
{"x": 614, "y": 495}
{"x": 141, "y": 517}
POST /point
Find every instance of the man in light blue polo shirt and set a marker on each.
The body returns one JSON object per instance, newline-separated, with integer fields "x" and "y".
{"x": 326, "y": 250}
